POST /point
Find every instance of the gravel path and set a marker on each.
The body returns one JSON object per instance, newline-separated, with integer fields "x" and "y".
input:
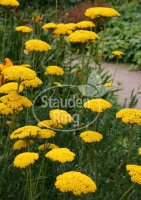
{"x": 129, "y": 79}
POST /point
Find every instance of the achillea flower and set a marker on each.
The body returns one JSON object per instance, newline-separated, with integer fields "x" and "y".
{"x": 49, "y": 26}
{"x": 60, "y": 116}
{"x": 71, "y": 26}
{"x": 22, "y": 144}
{"x": 15, "y": 102}
{"x": 10, "y": 88}
{"x": 82, "y": 36}
{"x": 85, "y": 24}
{"x": 54, "y": 70}
{"x": 5, "y": 110}
{"x": 61, "y": 29}
{"x": 32, "y": 83}
{"x": 37, "y": 45}
{"x": 117, "y": 53}
{"x": 91, "y": 136}
{"x": 46, "y": 134}
{"x": 43, "y": 147}
{"x": 25, "y": 132}
{"x": 135, "y": 173}
{"x": 49, "y": 124}
{"x": 38, "y": 19}
{"x": 16, "y": 73}
{"x": 101, "y": 11}
{"x": 58, "y": 84}
{"x": 8, "y": 63}
{"x": 75, "y": 182}
{"x": 25, "y": 159}
{"x": 13, "y": 3}
{"x": 129, "y": 115}
{"x": 139, "y": 151}
{"x": 97, "y": 105}
{"x": 109, "y": 84}
{"x": 61, "y": 155}
{"x": 23, "y": 29}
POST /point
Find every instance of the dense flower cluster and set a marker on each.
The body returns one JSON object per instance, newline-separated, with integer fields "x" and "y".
{"x": 82, "y": 36}
{"x": 13, "y": 3}
{"x": 15, "y": 102}
{"x": 46, "y": 134}
{"x": 54, "y": 70}
{"x": 43, "y": 147}
{"x": 135, "y": 173}
{"x": 33, "y": 82}
{"x": 23, "y": 160}
{"x": 61, "y": 155}
{"x": 101, "y": 11}
{"x": 97, "y": 105}
{"x": 85, "y": 24}
{"x": 60, "y": 116}
{"x": 5, "y": 110}
{"x": 61, "y": 29}
{"x": 117, "y": 53}
{"x": 91, "y": 136}
{"x": 11, "y": 87}
{"x": 75, "y": 182}
{"x": 25, "y": 132}
{"x": 23, "y": 29}
{"x": 20, "y": 144}
{"x": 37, "y": 45}
{"x": 130, "y": 115}
{"x": 49, "y": 26}
{"x": 49, "y": 124}
{"x": 71, "y": 26}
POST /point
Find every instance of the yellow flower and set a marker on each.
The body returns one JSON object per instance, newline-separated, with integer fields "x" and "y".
{"x": 91, "y": 136}
{"x": 61, "y": 155}
{"x": 46, "y": 134}
{"x": 37, "y": 45}
{"x": 23, "y": 29}
{"x": 135, "y": 173}
{"x": 15, "y": 102}
{"x": 38, "y": 19}
{"x": 23, "y": 160}
{"x": 21, "y": 144}
{"x": 130, "y": 115}
{"x": 60, "y": 116}
{"x": 14, "y": 73}
{"x": 97, "y": 105}
{"x": 13, "y": 3}
{"x": 49, "y": 26}
{"x": 49, "y": 124}
{"x": 85, "y": 24}
{"x": 75, "y": 182}
{"x": 117, "y": 53}
{"x": 71, "y": 26}
{"x": 58, "y": 84}
{"x": 25, "y": 132}
{"x": 54, "y": 70}
{"x": 139, "y": 151}
{"x": 82, "y": 36}
{"x": 61, "y": 29}
{"x": 43, "y": 147}
{"x": 32, "y": 83}
{"x": 101, "y": 11}
{"x": 109, "y": 84}
{"x": 5, "y": 110}
{"x": 10, "y": 88}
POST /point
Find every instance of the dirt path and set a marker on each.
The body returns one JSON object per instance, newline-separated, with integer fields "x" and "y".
{"x": 129, "y": 79}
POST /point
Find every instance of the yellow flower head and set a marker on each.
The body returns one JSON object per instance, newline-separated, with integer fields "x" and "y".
{"x": 13, "y": 3}
{"x": 24, "y": 29}
{"x": 37, "y": 45}
{"x": 97, "y": 105}
{"x": 135, "y": 173}
{"x": 5, "y": 110}
{"x": 61, "y": 29}
{"x": 46, "y": 134}
{"x": 25, "y": 132}
{"x": 75, "y": 182}
{"x": 71, "y": 26}
{"x": 60, "y": 116}
{"x": 130, "y": 115}
{"x": 61, "y": 155}
{"x": 14, "y": 73}
{"x": 54, "y": 70}
{"x": 82, "y": 36}
{"x": 15, "y": 102}
{"x": 48, "y": 124}
{"x": 58, "y": 84}
{"x": 101, "y": 11}
{"x": 117, "y": 53}
{"x": 49, "y": 26}
{"x": 109, "y": 84}
{"x": 25, "y": 159}
{"x": 91, "y": 136}
{"x": 33, "y": 82}
{"x": 43, "y": 147}
{"x": 20, "y": 144}
{"x": 10, "y": 88}
{"x": 85, "y": 24}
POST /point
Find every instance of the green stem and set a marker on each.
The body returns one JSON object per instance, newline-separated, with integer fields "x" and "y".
{"x": 129, "y": 145}
{"x": 124, "y": 195}
{"x": 4, "y": 31}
